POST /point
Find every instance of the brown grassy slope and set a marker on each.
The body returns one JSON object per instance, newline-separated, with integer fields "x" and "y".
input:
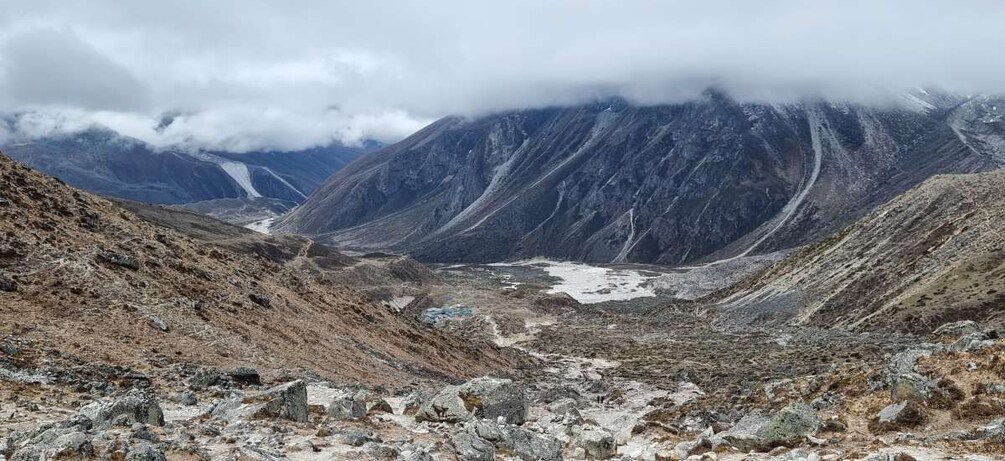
{"x": 935, "y": 254}
{"x": 70, "y": 300}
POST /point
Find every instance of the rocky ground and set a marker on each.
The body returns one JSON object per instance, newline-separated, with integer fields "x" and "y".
{"x": 299, "y": 352}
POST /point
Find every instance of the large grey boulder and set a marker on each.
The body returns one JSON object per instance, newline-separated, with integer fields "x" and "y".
{"x": 482, "y": 398}
{"x": 64, "y": 440}
{"x": 287, "y": 401}
{"x": 145, "y": 452}
{"x": 520, "y": 442}
{"x": 959, "y": 329}
{"x": 470, "y": 447}
{"x": 135, "y": 407}
{"x": 346, "y": 408}
{"x": 973, "y": 342}
{"x": 788, "y": 426}
{"x": 897, "y": 416}
{"x": 596, "y": 442}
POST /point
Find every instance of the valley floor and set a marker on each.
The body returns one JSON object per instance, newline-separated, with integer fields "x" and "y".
{"x": 615, "y": 374}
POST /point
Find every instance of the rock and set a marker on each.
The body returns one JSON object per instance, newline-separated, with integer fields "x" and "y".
{"x": 287, "y": 401}
{"x": 119, "y": 259}
{"x": 790, "y": 425}
{"x": 246, "y": 376}
{"x": 973, "y": 342}
{"x": 135, "y": 407}
{"x": 260, "y": 299}
{"x": 372, "y": 402}
{"x": 524, "y": 443}
{"x": 145, "y": 452}
{"x": 785, "y": 428}
{"x": 911, "y": 387}
{"x": 186, "y": 398}
{"x": 531, "y": 446}
{"x": 346, "y": 408}
{"x": 357, "y": 438}
{"x": 7, "y": 284}
{"x": 469, "y": 447}
{"x": 67, "y": 440}
{"x": 597, "y": 443}
{"x": 556, "y": 393}
{"x": 897, "y": 416}
{"x": 959, "y": 329}
{"x": 566, "y": 412}
{"x": 482, "y": 398}
{"x": 157, "y": 323}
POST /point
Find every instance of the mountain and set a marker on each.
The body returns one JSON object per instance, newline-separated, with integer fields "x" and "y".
{"x": 933, "y": 255}
{"x": 85, "y": 280}
{"x": 670, "y": 184}
{"x": 104, "y": 162}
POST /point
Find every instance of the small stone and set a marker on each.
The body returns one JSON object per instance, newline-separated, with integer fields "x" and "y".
{"x": 157, "y": 323}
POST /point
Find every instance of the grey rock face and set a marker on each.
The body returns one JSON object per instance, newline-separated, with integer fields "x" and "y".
{"x": 485, "y": 398}
{"x": 612, "y": 182}
{"x": 596, "y": 442}
{"x": 897, "y": 416}
{"x": 287, "y": 401}
{"x": 346, "y": 408}
{"x": 136, "y": 407}
{"x": 786, "y": 427}
{"x": 469, "y": 447}
{"x": 246, "y": 376}
{"x": 959, "y": 329}
{"x": 145, "y": 452}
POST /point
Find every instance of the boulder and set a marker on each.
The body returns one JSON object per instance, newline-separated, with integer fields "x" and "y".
{"x": 482, "y": 398}
{"x": 7, "y": 284}
{"x": 959, "y": 329}
{"x": 897, "y": 416}
{"x": 64, "y": 440}
{"x": 158, "y": 323}
{"x": 135, "y": 407}
{"x": 119, "y": 259}
{"x": 246, "y": 376}
{"x": 346, "y": 408}
{"x": 790, "y": 425}
{"x": 974, "y": 342}
{"x": 145, "y": 452}
{"x": 469, "y": 447}
{"x": 911, "y": 387}
{"x": 372, "y": 402}
{"x": 523, "y": 443}
{"x": 785, "y": 428}
{"x": 531, "y": 446}
{"x": 287, "y": 401}
{"x": 596, "y": 443}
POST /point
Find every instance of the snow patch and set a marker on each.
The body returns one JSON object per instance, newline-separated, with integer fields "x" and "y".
{"x": 593, "y": 284}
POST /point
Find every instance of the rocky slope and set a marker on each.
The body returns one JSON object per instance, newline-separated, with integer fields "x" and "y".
{"x": 673, "y": 184}
{"x": 933, "y": 255}
{"x": 102, "y": 161}
{"x": 85, "y": 280}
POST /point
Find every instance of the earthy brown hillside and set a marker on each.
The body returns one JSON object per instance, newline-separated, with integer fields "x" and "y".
{"x": 933, "y": 255}
{"x": 84, "y": 278}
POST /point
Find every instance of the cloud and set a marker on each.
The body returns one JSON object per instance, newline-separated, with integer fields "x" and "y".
{"x": 45, "y": 67}
{"x": 257, "y": 73}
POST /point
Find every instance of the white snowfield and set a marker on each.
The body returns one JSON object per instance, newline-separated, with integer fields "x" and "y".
{"x": 592, "y": 284}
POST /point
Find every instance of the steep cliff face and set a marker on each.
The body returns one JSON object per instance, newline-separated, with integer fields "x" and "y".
{"x": 673, "y": 184}
{"x": 933, "y": 255}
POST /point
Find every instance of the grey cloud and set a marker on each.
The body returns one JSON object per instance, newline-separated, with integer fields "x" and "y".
{"x": 45, "y": 67}
{"x": 257, "y": 73}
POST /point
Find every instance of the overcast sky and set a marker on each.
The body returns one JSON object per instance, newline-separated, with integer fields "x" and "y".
{"x": 249, "y": 74}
